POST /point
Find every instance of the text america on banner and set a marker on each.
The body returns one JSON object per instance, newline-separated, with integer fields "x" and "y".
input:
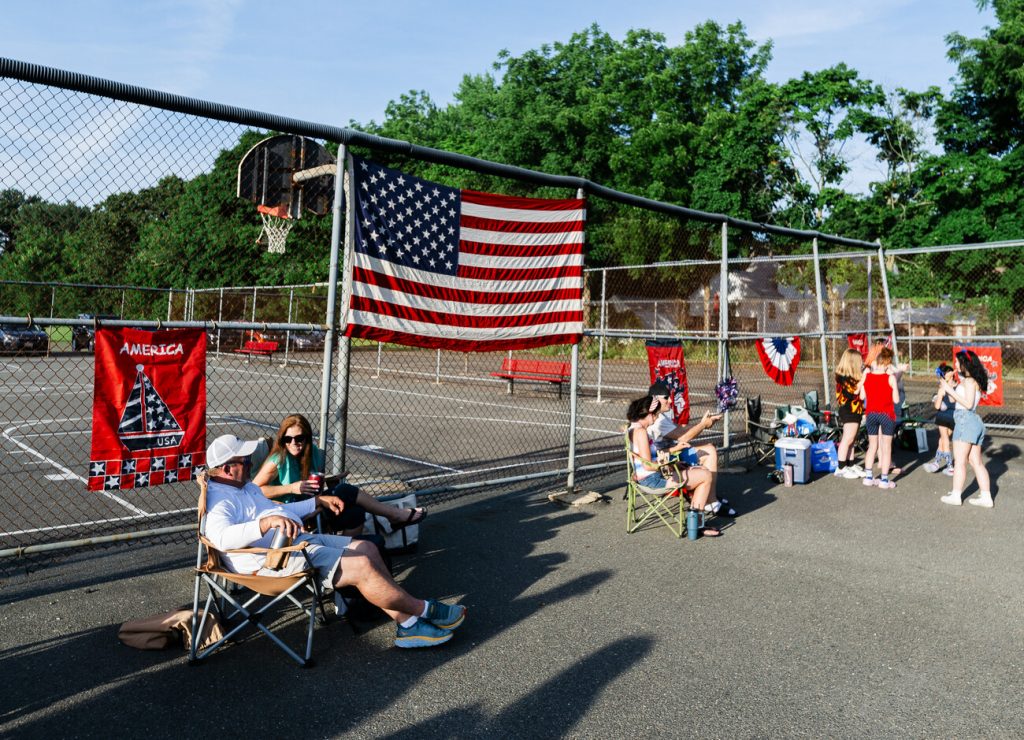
{"x": 439, "y": 267}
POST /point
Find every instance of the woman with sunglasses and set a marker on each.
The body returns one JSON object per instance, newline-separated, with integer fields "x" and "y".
{"x": 968, "y": 430}
{"x": 284, "y": 477}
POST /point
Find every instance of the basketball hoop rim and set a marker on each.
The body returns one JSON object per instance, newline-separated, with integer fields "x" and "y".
{"x": 276, "y": 211}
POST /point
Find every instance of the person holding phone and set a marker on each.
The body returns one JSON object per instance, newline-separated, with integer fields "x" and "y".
{"x": 668, "y": 437}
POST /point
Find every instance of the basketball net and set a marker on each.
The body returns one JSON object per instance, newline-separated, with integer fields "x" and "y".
{"x": 277, "y": 224}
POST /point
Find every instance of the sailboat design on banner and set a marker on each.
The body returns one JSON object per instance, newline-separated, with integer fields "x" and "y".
{"x": 147, "y": 423}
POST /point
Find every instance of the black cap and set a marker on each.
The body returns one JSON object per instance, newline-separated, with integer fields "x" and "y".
{"x": 659, "y": 389}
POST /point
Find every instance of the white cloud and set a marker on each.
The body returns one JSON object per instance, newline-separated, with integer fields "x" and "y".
{"x": 796, "y": 19}
{"x": 204, "y": 28}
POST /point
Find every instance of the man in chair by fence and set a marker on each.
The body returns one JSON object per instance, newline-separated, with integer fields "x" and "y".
{"x": 240, "y": 516}
{"x": 666, "y": 436}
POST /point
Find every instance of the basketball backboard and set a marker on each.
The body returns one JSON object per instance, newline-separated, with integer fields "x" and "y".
{"x": 287, "y": 174}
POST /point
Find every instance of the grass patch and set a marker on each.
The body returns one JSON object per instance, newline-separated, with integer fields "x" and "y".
{"x": 59, "y": 333}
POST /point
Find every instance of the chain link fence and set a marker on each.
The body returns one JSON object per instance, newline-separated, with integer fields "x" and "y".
{"x": 95, "y": 175}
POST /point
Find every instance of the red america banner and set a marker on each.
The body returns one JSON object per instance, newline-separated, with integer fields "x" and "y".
{"x": 665, "y": 360}
{"x": 149, "y": 408}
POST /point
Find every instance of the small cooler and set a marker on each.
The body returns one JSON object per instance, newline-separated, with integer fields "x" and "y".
{"x": 795, "y": 451}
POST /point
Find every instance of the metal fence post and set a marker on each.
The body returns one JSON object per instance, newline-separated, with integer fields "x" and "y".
{"x": 724, "y": 370}
{"x": 600, "y": 338}
{"x": 288, "y": 334}
{"x": 220, "y": 315}
{"x": 380, "y": 346}
{"x": 871, "y": 317}
{"x": 341, "y": 407}
{"x": 437, "y": 369}
{"x": 821, "y": 322}
{"x": 574, "y": 390}
{"x": 885, "y": 296}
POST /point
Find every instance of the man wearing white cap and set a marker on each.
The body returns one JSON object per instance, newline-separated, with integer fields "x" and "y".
{"x": 239, "y": 515}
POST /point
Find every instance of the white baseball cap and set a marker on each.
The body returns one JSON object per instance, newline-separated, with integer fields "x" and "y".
{"x": 226, "y": 447}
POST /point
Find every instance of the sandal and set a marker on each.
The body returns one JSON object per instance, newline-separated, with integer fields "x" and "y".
{"x": 415, "y": 517}
{"x": 711, "y": 532}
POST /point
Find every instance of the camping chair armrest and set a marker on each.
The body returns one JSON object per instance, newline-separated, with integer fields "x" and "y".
{"x": 770, "y": 428}
{"x": 256, "y": 550}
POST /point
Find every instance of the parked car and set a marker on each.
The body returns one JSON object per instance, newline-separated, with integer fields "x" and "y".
{"x": 84, "y": 337}
{"x": 22, "y": 338}
{"x": 308, "y": 341}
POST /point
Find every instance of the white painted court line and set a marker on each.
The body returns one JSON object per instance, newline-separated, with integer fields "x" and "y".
{"x": 112, "y": 520}
{"x": 71, "y": 474}
{"x": 511, "y": 466}
{"x": 378, "y": 451}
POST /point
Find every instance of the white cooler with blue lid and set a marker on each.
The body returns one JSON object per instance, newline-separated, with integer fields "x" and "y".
{"x": 795, "y": 451}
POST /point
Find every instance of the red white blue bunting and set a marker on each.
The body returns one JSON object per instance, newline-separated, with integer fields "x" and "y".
{"x": 779, "y": 357}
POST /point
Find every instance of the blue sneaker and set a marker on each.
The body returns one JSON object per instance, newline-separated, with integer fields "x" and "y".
{"x": 421, "y": 634}
{"x": 445, "y": 616}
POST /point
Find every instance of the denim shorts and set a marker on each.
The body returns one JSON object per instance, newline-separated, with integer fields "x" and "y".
{"x": 877, "y": 422}
{"x": 969, "y": 427}
{"x": 655, "y": 480}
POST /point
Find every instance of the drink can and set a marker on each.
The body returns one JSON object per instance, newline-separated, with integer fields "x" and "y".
{"x": 827, "y": 413}
{"x": 787, "y": 476}
{"x": 277, "y": 560}
{"x": 280, "y": 539}
{"x": 317, "y": 479}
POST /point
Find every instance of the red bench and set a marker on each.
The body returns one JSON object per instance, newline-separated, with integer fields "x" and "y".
{"x": 541, "y": 371}
{"x": 252, "y": 347}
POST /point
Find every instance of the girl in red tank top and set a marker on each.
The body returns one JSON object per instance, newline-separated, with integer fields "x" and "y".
{"x": 879, "y": 390}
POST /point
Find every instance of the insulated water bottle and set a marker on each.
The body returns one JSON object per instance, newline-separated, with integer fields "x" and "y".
{"x": 694, "y": 521}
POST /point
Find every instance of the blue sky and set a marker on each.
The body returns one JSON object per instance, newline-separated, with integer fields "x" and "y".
{"x": 341, "y": 61}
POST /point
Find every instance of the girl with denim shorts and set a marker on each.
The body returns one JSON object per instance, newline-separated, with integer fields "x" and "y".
{"x": 879, "y": 390}
{"x": 641, "y": 414}
{"x": 968, "y": 430}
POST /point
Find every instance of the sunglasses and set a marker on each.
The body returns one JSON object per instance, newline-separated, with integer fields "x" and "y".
{"x": 297, "y": 439}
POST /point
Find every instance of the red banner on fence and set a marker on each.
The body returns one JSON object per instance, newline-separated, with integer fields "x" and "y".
{"x": 149, "y": 408}
{"x": 665, "y": 360}
{"x": 991, "y": 356}
{"x": 858, "y": 342}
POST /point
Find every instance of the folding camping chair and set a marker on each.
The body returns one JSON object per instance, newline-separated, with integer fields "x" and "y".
{"x": 668, "y": 503}
{"x": 267, "y": 591}
{"x": 762, "y": 436}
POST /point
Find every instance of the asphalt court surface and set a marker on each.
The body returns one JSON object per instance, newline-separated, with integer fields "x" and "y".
{"x": 826, "y": 610}
{"x": 402, "y": 426}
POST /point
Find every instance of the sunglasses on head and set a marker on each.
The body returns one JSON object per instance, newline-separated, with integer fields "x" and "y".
{"x": 298, "y": 439}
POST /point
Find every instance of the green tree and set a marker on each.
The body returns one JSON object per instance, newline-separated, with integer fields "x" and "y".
{"x": 823, "y": 111}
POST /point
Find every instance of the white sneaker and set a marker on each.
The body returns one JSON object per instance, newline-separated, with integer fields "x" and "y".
{"x": 869, "y": 482}
{"x": 982, "y": 499}
{"x": 952, "y": 498}
{"x": 948, "y": 471}
{"x": 858, "y": 470}
{"x": 850, "y": 474}
{"x": 933, "y": 465}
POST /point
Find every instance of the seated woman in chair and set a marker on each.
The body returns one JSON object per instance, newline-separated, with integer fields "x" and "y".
{"x": 284, "y": 477}
{"x": 641, "y": 414}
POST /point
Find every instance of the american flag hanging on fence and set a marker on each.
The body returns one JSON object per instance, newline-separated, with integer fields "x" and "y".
{"x": 440, "y": 267}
